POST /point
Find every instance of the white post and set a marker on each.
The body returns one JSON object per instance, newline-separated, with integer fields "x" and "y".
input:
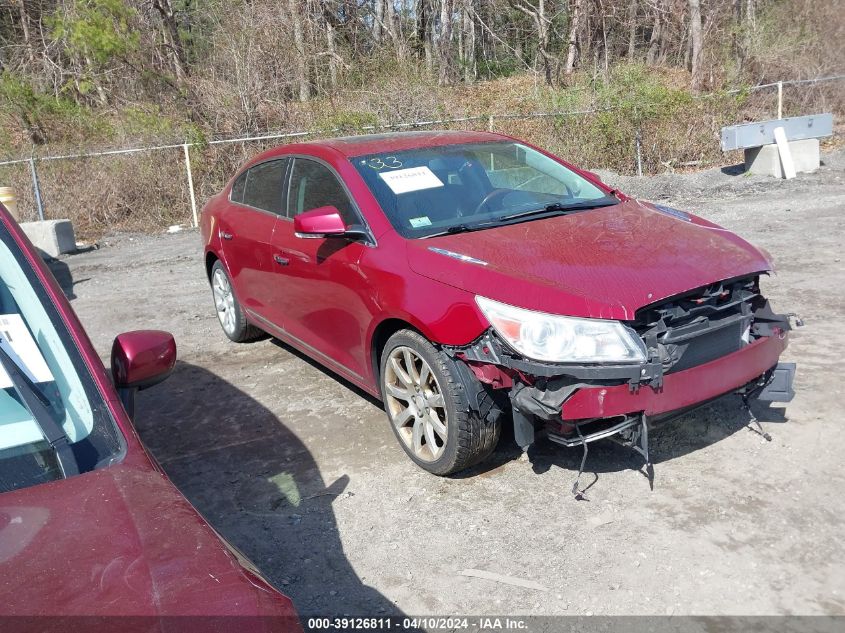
{"x": 191, "y": 184}
{"x": 780, "y": 99}
{"x": 787, "y": 165}
{"x": 639, "y": 154}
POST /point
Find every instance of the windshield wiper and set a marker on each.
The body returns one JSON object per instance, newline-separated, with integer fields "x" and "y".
{"x": 38, "y": 405}
{"x": 463, "y": 228}
{"x": 559, "y": 207}
{"x": 555, "y": 207}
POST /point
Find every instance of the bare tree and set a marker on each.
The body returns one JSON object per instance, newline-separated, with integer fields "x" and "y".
{"x": 444, "y": 42}
{"x": 468, "y": 48}
{"x": 27, "y": 39}
{"x": 695, "y": 43}
{"x": 332, "y": 53}
{"x": 378, "y": 19}
{"x": 173, "y": 40}
{"x": 424, "y": 31}
{"x": 392, "y": 28}
{"x": 632, "y": 28}
{"x": 575, "y": 16}
{"x": 541, "y": 23}
{"x": 302, "y": 57}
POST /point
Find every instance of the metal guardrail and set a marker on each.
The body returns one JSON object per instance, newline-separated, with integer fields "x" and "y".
{"x": 747, "y": 135}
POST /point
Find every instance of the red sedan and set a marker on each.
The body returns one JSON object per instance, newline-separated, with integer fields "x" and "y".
{"x": 89, "y": 523}
{"x": 461, "y": 276}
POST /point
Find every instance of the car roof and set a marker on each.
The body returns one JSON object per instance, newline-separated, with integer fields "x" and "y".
{"x": 351, "y": 146}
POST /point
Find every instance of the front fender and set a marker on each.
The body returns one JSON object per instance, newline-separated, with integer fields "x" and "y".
{"x": 445, "y": 315}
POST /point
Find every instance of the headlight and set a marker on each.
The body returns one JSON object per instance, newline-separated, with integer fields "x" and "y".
{"x": 563, "y": 339}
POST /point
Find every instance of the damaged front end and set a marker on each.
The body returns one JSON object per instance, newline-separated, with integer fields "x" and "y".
{"x": 701, "y": 345}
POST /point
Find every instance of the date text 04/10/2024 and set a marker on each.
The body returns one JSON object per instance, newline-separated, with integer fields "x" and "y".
{"x": 433, "y": 623}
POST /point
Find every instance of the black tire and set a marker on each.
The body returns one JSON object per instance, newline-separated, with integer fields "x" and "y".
{"x": 240, "y": 330}
{"x": 471, "y": 435}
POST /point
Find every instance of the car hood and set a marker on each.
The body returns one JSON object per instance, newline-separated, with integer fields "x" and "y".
{"x": 119, "y": 541}
{"x": 601, "y": 263}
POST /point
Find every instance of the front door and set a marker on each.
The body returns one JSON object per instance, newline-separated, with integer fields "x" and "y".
{"x": 320, "y": 293}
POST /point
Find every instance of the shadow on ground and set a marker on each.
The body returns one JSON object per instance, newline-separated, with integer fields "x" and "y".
{"x": 256, "y": 484}
{"x": 734, "y": 170}
{"x": 691, "y": 432}
{"x": 328, "y": 372}
{"x": 61, "y": 271}
{"x": 677, "y": 438}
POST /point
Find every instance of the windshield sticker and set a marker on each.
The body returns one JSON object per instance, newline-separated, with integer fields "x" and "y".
{"x": 18, "y": 343}
{"x": 418, "y": 222}
{"x": 412, "y": 179}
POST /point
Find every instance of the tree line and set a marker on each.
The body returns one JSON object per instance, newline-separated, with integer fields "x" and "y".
{"x": 210, "y": 58}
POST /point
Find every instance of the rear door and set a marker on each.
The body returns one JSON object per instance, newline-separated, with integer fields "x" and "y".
{"x": 320, "y": 293}
{"x": 246, "y": 231}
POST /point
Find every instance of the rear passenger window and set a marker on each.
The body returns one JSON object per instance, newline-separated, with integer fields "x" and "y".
{"x": 264, "y": 186}
{"x": 313, "y": 185}
{"x": 237, "y": 194}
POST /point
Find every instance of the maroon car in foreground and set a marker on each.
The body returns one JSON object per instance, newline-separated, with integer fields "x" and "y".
{"x": 89, "y": 524}
{"x": 458, "y": 276}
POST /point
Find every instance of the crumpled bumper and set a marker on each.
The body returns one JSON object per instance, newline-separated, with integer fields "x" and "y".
{"x": 603, "y": 400}
{"x": 681, "y": 389}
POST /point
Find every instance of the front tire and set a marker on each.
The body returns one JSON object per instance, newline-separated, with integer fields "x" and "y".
{"x": 229, "y": 311}
{"x": 427, "y": 400}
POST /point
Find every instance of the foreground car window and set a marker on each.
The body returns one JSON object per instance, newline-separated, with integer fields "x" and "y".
{"x": 427, "y": 190}
{"x": 33, "y": 335}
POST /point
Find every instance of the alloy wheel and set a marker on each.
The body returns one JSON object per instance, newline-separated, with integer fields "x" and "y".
{"x": 224, "y": 300}
{"x": 415, "y": 404}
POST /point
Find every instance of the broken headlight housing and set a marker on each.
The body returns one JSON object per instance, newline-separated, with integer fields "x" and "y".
{"x": 562, "y": 339}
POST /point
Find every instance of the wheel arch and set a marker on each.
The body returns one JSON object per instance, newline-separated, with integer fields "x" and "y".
{"x": 210, "y": 258}
{"x": 390, "y": 323}
{"x": 381, "y": 333}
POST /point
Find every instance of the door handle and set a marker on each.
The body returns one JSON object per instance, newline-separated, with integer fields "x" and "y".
{"x": 226, "y": 236}
{"x": 282, "y": 261}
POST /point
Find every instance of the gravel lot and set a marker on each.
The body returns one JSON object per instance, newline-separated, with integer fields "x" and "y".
{"x": 300, "y": 470}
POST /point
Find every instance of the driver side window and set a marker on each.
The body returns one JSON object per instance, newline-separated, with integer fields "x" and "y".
{"x": 313, "y": 185}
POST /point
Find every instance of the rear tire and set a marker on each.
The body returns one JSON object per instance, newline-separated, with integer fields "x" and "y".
{"x": 428, "y": 399}
{"x": 229, "y": 312}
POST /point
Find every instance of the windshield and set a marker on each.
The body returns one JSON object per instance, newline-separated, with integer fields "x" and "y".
{"x": 34, "y": 337}
{"x": 427, "y": 191}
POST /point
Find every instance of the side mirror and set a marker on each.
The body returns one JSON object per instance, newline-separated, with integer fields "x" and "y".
{"x": 319, "y": 222}
{"x": 140, "y": 360}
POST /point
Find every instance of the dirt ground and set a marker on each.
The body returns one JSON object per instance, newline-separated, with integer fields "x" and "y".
{"x": 300, "y": 470}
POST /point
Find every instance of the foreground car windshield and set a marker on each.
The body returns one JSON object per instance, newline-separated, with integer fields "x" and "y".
{"x": 431, "y": 190}
{"x": 34, "y": 337}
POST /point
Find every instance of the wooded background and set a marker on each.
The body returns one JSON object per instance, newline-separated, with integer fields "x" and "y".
{"x": 77, "y": 74}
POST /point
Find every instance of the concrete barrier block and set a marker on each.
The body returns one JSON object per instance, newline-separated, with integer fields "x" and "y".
{"x": 765, "y": 160}
{"x": 54, "y": 237}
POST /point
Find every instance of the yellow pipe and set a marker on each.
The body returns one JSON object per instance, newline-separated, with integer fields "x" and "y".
{"x": 10, "y": 201}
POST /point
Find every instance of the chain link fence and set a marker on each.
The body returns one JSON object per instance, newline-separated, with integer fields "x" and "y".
{"x": 147, "y": 189}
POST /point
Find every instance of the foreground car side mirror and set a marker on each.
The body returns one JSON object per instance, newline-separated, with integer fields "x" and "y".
{"x": 139, "y": 360}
